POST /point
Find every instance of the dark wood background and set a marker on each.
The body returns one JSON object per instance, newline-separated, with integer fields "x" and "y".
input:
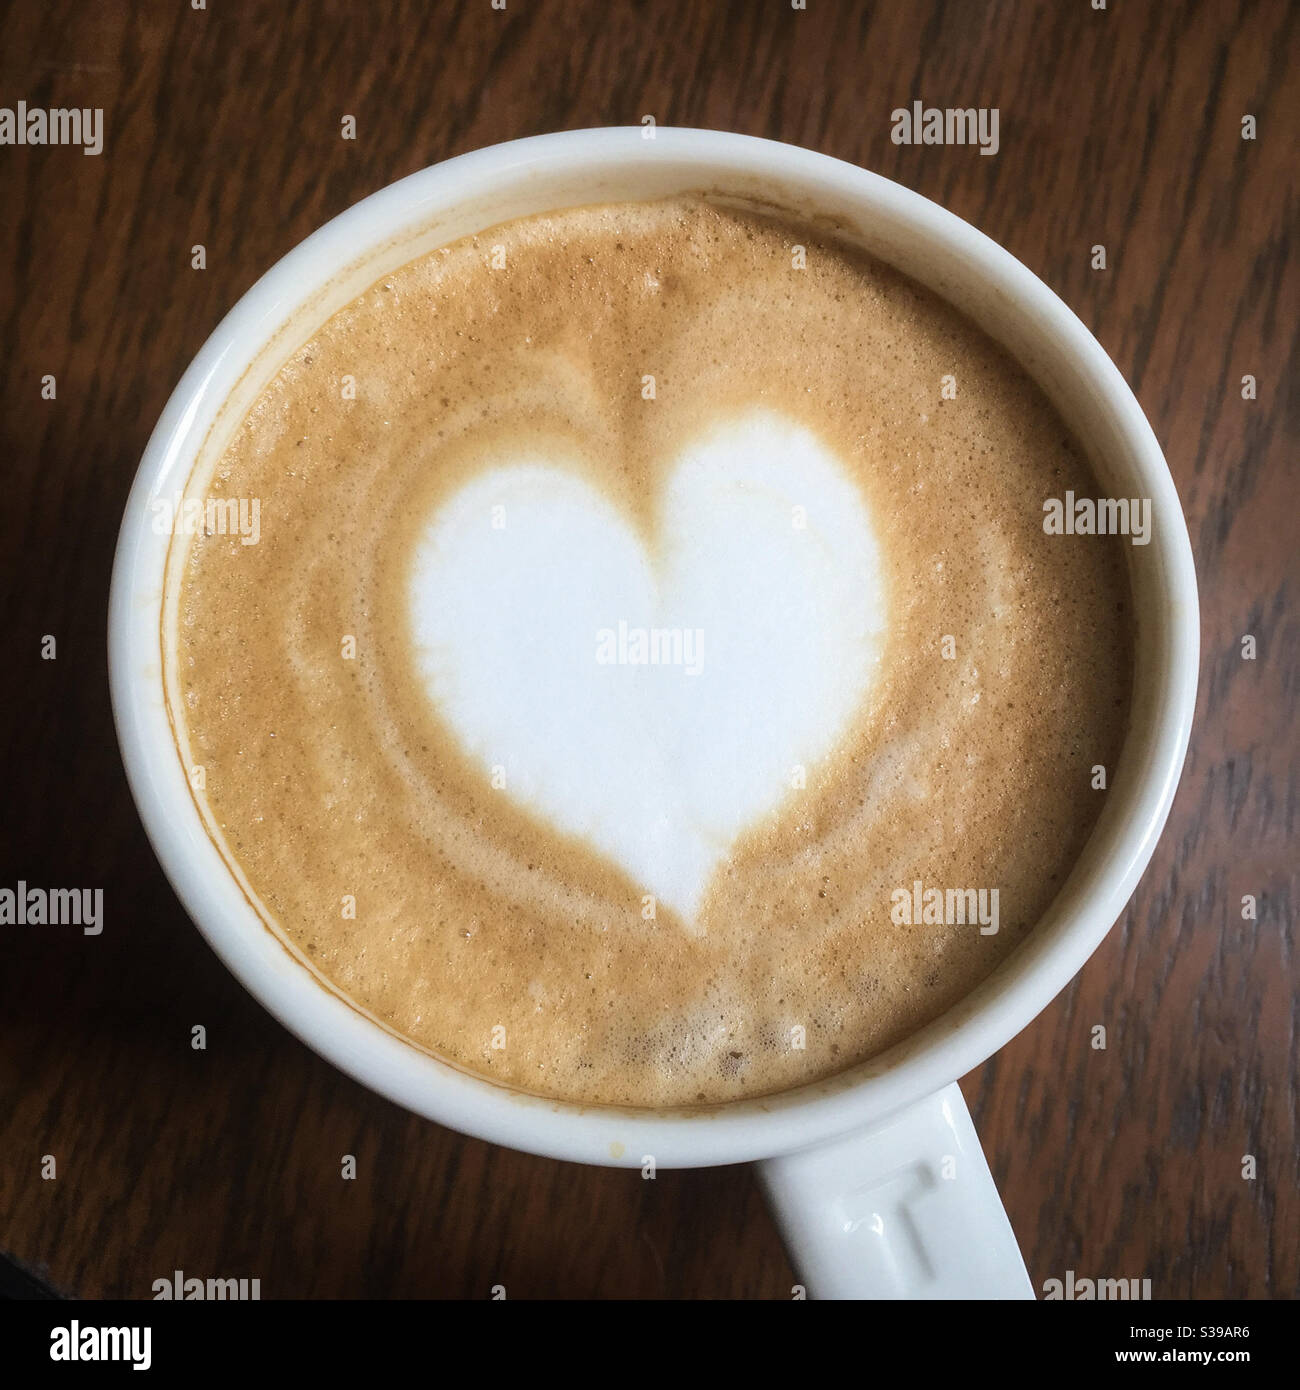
{"x": 1120, "y": 127}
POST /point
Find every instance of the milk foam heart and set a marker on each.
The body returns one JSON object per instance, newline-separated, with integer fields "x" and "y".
{"x": 654, "y": 695}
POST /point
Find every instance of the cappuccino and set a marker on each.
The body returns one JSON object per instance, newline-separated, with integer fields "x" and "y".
{"x": 649, "y": 602}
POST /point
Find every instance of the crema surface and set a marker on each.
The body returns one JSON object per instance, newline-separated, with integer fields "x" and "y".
{"x": 644, "y": 614}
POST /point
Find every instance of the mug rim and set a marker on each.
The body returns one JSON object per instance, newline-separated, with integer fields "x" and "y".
{"x": 375, "y": 1055}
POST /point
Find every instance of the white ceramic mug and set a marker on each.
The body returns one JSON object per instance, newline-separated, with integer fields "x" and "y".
{"x": 876, "y": 1177}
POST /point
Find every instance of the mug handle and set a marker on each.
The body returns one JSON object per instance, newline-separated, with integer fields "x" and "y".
{"x": 904, "y": 1209}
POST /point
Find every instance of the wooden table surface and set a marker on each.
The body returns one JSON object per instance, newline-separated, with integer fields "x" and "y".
{"x": 1120, "y": 127}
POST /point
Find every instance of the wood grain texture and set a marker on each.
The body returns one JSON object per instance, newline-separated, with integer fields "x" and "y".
{"x": 1120, "y": 127}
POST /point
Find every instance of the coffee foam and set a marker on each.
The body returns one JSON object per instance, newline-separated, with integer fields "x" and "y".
{"x": 653, "y": 697}
{"x": 520, "y": 906}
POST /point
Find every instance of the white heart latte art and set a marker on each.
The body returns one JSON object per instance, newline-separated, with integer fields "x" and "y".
{"x": 654, "y": 705}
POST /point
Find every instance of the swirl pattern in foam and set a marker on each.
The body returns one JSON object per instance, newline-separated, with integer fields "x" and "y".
{"x": 586, "y": 699}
